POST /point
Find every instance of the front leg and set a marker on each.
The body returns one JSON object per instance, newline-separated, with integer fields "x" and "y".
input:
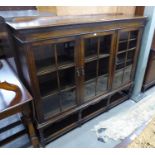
{"x": 27, "y": 120}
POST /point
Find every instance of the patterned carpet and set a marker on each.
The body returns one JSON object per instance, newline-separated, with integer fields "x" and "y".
{"x": 121, "y": 125}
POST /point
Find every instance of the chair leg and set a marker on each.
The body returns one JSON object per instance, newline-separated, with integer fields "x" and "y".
{"x": 32, "y": 134}
{"x": 28, "y": 122}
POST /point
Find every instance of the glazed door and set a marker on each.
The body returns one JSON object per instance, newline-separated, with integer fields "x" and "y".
{"x": 126, "y": 55}
{"x": 55, "y": 63}
{"x": 97, "y": 50}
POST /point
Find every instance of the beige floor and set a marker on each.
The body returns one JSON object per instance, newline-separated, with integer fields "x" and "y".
{"x": 146, "y": 139}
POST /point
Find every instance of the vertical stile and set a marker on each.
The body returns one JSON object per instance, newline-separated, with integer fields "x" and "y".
{"x": 97, "y": 66}
{"x": 58, "y": 80}
{"x": 126, "y": 55}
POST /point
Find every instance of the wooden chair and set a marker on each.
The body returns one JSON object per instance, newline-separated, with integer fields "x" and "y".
{"x": 14, "y": 98}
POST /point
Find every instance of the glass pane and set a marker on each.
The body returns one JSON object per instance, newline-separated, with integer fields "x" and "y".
{"x": 67, "y": 77}
{"x": 127, "y": 74}
{"x": 130, "y": 54}
{"x": 123, "y": 46}
{"x": 90, "y": 77}
{"x": 120, "y": 65}
{"x": 101, "y": 84}
{"x": 48, "y": 83}
{"x": 130, "y": 57}
{"x": 51, "y": 105}
{"x": 103, "y": 66}
{"x": 90, "y": 70}
{"x": 91, "y": 47}
{"x": 65, "y": 52}
{"x": 133, "y": 34}
{"x": 120, "y": 60}
{"x": 117, "y": 81}
{"x": 132, "y": 44}
{"x": 89, "y": 89}
{"x": 105, "y": 44}
{"x": 68, "y": 99}
{"x": 123, "y": 36}
{"x": 44, "y": 56}
{"x": 102, "y": 81}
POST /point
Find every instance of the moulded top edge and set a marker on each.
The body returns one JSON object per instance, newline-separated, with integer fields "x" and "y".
{"x": 19, "y": 23}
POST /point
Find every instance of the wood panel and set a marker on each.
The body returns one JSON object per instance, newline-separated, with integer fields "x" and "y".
{"x": 153, "y": 42}
{"x": 127, "y": 10}
{"x": 51, "y": 9}
{"x": 80, "y": 10}
{"x": 74, "y": 10}
{"x": 139, "y": 10}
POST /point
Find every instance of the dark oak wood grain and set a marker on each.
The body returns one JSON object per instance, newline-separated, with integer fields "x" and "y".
{"x": 40, "y": 22}
{"x": 76, "y": 67}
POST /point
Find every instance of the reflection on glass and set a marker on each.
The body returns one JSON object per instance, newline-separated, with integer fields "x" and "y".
{"x": 130, "y": 54}
{"x": 90, "y": 77}
{"x": 103, "y": 66}
{"x": 133, "y": 34}
{"x": 120, "y": 58}
{"x": 105, "y": 44}
{"x": 67, "y": 77}
{"x": 65, "y": 52}
{"x": 101, "y": 84}
{"x": 120, "y": 66}
{"x": 89, "y": 89}
{"x": 123, "y": 36}
{"x": 132, "y": 44}
{"x": 68, "y": 99}
{"x": 123, "y": 46}
{"x": 127, "y": 74}
{"x": 44, "y": 56}
{"x": 91, "y": 46}
{"x": 48, "y": 83}
{"x": 50, "y": 105}
{"x": 90, "y": 70}
{"x": 117, "y": 81}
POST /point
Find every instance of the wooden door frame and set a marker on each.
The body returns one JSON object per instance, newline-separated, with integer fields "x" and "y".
{"x": 76, "y": 61}
{"x": 139, "y": 29}
{"x": 111, "y": 59}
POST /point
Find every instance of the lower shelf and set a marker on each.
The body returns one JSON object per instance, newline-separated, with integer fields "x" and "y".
{"x": 93, "y": 110}
{"x": 67, "y": 123}
{"x": 61, "y": 125}
{"x": 148, "y": 85}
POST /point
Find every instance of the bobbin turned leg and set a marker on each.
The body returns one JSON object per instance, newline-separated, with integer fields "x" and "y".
{"x": 28, "y": 122}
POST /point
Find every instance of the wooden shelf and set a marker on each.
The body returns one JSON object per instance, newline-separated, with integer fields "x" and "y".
{"x": 50, "y": 69}
{"x": 46, "y": 70}
{"x": 103, "y": 56}
{"x": 50, "y": 93}
{"x": 69, "y": 87}
{"x": 124, "y": 41}
{"x": 93, "y": 58}
{"x": 65, "y": 66}
{"x": 130, "y": 49}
